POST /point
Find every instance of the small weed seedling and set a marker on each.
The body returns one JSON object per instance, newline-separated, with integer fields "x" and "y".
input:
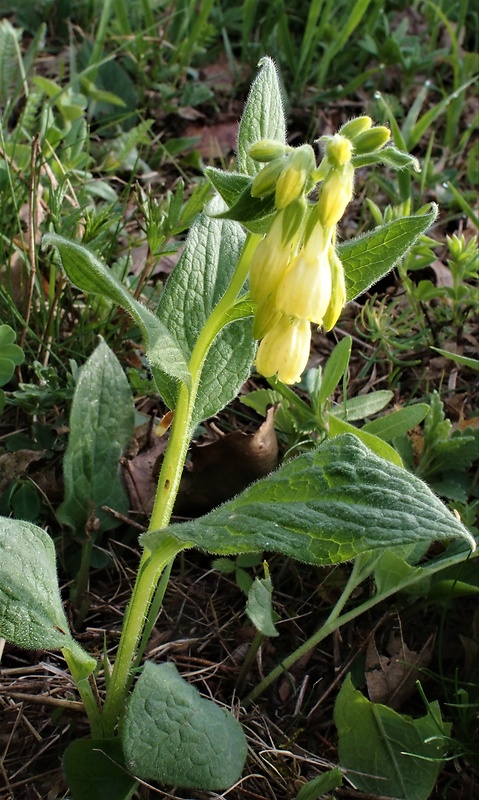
{"x": 261, "y": 263}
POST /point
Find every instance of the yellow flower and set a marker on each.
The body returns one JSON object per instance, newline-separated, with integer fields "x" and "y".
{"x": 339, "y": 150}
{"x": 338, "y": 292}
{"x": 305, "y": 290}
{"x": 292, "y": 180}
{"x": 269, "y": 262}
{"x": 335, "y": 195}
{"x": 284, "y": 351}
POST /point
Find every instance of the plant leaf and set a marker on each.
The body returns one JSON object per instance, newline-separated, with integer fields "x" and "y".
{"x": 317, "y": 788}
{"x": 337, "y": 427}
{"x": 31, "y": 612}
{"x": 194, "y": 288}
{"x": 94, "y": 770}
{"x": 263, "y": 116}
{"x": 101, "y": 426}
{"x": 89, "y": 274}
{"x": 334, "y": 370}
{"x": 172, "y": 734}
{"x": 324, "y": 507}
{"x": 259, "y": 607}
{"x": 368, "y": 258}
{"x": 397, "y": 422}
{"x": 389, "y": 753}
{"x": 362, "y": 406}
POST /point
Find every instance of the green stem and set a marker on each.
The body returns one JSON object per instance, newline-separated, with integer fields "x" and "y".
{"x": 153, "y": 563}
{"x": 150, "y": 569}
{"x": 86, "y": 693}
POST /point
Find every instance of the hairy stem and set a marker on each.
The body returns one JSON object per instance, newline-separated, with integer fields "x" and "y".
{"x": 153, "y": 563}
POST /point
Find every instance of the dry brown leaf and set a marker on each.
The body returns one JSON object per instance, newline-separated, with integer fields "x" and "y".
{"x": 14, "y": 465}
{"x": 222, "y": 469}
{"x": 391, "y": 678}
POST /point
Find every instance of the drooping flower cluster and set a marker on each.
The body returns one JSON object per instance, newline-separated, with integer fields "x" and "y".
{"x": 296, "y": 276}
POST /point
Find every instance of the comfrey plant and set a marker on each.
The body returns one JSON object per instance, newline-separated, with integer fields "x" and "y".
{"x": 339, "y": 502}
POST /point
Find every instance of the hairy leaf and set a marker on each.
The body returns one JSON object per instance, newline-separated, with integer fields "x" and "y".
{"x": 263, "y": 116}
{"x": 172, "y": 734}
{"x": 88, "y": 273}
{"x": 31, "y": 612}
{"x": 195, "y": 287}
{"x": 101, "y": 426}
{"x": 368, "y": 258}
{"x": 324, "y": 507}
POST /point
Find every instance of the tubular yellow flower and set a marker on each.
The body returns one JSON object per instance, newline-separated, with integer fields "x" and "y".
{"x": 305, "y": 290}
{"x": 335, "y": 195}
{"x": 269, "y": 262}
{"x": 292, "y": 180}
{"x": 284, "y": 351}
{"x": 338, "y": 292}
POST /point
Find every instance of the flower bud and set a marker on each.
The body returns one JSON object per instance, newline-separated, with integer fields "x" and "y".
{"x": 267, "y": 150}
{"x": 284, "y": 351}
{"x": 336, "y": 193}
{"x": 338, "y": 292}
{"x": 354, "y": 127}
{"x": 269, "y": 262}
{"x": 305, "y": 290}
{"x": 264, "y": 182}
{"x": 370, "y": 141}
{"x": 339, "y": 150}
{"x": 292, "y": 180}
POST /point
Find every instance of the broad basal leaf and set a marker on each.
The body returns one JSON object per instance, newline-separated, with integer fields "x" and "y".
{"x": 173, "y": 735}
{"x": 325, "y": 507}
{"x": 31, "y": 612}
{"x": 195, "y": 287}
{"x": 101, "y": 426}
{"x": 389, "y": 754}
{"x": 263, "y": 116}
{"x": 368, "y": 258}
{"x": 88, "y": 273}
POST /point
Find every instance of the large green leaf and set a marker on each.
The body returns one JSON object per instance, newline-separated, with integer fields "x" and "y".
{"x": 101, "y": 426}
{"x": 194, "y": 288}
{"x": 88, "y": 273}
{"x": 324, "y": 507}
{"x": 172, "y": 734}
{"x": 368, "y": 258}
{"x": 389, "y": 754}
{"x": 31, "y": 612}
{"x": 263, "y": 116}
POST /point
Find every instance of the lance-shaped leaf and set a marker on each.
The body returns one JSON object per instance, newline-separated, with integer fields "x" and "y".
{"x": 101, "y": 426}
{"x": 172, "y": 734}
{"x": 194, "y": 288}
{"x": 263, "y": 116}
{"x": 31, "y": 612}
{"x": 325, "y": 507}
{"x": 89, "y": 274}
{"x": 368, "y": 258}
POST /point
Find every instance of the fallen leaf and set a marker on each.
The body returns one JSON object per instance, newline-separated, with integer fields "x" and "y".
{"x": 220, "y": 470}
{"x": 391, "y": 679}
